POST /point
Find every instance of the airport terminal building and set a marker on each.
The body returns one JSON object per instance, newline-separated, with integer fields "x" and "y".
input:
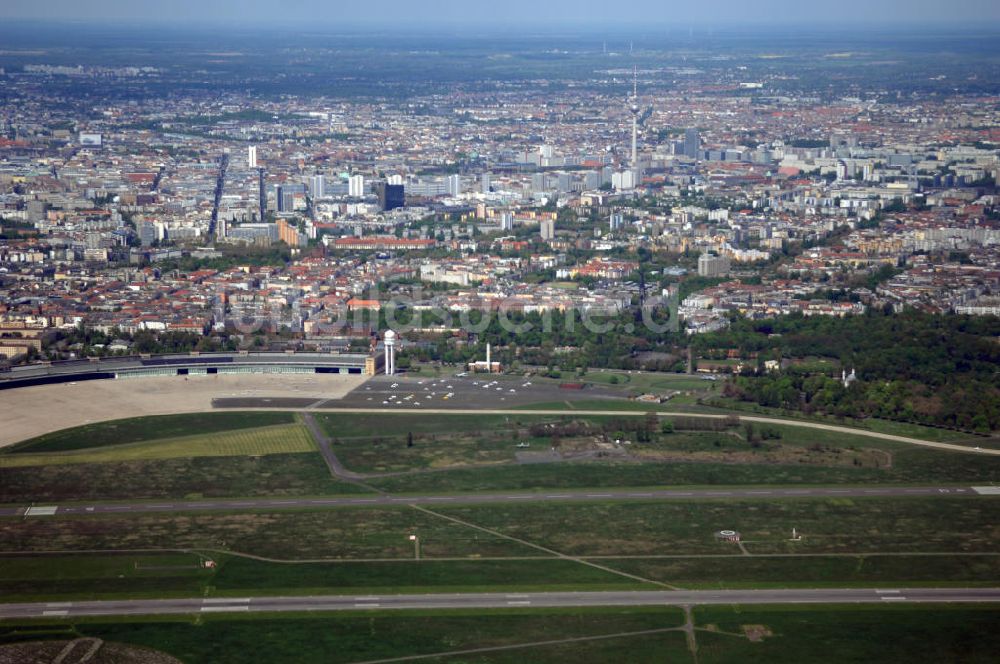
{"x": 194, "y": 364}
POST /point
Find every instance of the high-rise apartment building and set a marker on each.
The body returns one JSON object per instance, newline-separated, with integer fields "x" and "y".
{"x": 356, "y": 186}
{"x": 390, "y": 196}
{"x": 317, "y": 186}
{"x": 454, "y": 185}
{"x": 692, "y": 143}
{"x": 288, "y": 233}
{"x": 624, "y": 180}
{"x": 289, "y": 197}
{"x": 713, "y": 266}
{"x": 548, "y": 229}
{"x": 262, "y": 193}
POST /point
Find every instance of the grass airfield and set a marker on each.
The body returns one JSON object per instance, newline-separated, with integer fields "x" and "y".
{"x": 601, "y": 545}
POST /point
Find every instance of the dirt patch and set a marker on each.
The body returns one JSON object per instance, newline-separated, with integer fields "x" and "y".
{"x": 547, "y": 456}
{"x": 588, "y": 447}
{"x": 773, "y": 454}
{"x": 46, "y": 652}
{"x": 756, "y": 633}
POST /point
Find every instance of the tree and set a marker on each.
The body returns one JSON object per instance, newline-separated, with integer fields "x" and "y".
{"x": 649, "y": 426}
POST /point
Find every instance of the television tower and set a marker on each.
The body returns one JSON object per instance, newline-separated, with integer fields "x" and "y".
{"x": 634, "y": 108}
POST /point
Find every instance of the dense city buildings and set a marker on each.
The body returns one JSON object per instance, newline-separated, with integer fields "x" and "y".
{"x": 129, "y": 216}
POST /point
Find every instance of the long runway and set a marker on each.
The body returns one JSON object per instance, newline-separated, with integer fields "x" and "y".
{"x": 494, "y": 601}
{"x": 375, "y": 500}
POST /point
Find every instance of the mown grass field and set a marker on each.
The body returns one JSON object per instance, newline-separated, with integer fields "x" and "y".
{"x": 391, "y": 453}
{"x": 278, "y": 439}
{"x": 130, "y": 575}
{"x": 910, "y": 466}
{"x": 845, "y": 542}
{"x": 608, "y": 528}
{"x": 288, "y": 535}
{"x": 450, "y": 442}
{"x": 95, "y": 575}
{"x": 436, "y": 450}
{"x": 333, "y": 638}
{"x": 839, "y": 525}
{"x": 69, "y": 577}
{"x": 841, "y": 634}
{"x": 689, "y": 404}
{"x": 467, "y": 453}
{"x": 299, "y": 474}
{"x": 826, "y": 634}
{"x": 347, "y": 425}
{"x": 739, "y": 571}
{"x": 683, "y": 458}
{"x": 154, "y": 427}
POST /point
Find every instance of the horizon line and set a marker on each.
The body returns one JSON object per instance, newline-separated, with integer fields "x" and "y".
{"x": 647, "y": 26}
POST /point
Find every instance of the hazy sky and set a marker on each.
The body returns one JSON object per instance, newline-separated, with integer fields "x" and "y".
{"x": 533, "y": 14}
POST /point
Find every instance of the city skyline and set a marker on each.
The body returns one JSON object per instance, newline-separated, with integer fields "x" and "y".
{"x": 516, "y": 13}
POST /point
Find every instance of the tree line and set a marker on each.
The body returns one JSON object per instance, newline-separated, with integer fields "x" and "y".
{"x": 913, "y": 366}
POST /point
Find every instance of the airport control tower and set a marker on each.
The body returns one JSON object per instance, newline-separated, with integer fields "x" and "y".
{"x": 390, "y": 352}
